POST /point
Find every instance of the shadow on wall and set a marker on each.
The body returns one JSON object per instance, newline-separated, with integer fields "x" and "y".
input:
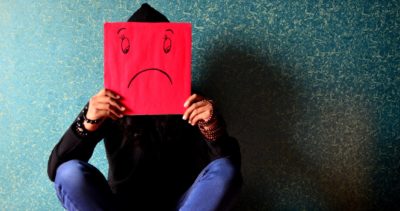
{"x": 262, "y": 105}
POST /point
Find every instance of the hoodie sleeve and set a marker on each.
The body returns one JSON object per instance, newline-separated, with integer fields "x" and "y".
{"x": 73, "y": 146}
{"x": 224, "y": 145}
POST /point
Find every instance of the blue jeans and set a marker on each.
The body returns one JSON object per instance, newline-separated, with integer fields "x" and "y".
{"x": 81, "y": 186}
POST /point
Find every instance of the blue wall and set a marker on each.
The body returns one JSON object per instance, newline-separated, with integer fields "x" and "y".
{"x": 310, "y": 89}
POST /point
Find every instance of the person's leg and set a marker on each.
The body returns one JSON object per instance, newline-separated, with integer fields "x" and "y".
{"x": 215, "y": 188}
{"x": 80, "y": 186}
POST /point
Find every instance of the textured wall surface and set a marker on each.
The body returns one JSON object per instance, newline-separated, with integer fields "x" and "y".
{"x": 310, "y": 88}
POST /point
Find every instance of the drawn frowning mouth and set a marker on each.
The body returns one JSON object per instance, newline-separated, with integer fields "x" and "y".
{"x": 149, "y": 69}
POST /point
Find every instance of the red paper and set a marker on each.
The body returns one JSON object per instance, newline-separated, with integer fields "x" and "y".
{"x": 148, "y": 65}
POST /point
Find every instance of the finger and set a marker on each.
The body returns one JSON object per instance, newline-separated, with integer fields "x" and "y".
{"x": 108, "y": 106}
{"x": 112, "y": 94}
{"x": 206, "y": 109}
{"x": 111, "y": 101}
{"x": 191, "y": 99}
{"x": 102, "y": 92}
{"x": 117, "y": 104}
{"x": 109, "y": 114}
{"x": 187, "y": 102}
{"x": 198, "y": 117}
{"x": 195, "y": 112}
{"x": 190, "y": 109}
{"x": 106, "y": 110}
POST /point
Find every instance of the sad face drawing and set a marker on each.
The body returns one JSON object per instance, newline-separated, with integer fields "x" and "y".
{"x": 149, "y": 65}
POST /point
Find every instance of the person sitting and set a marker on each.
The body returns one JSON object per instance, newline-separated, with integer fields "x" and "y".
{"x": 155, "y": 162}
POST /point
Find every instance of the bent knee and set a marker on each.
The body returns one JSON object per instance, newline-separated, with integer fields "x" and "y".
{"x": 70, "y": 171}
{"x": 226, "y": 170}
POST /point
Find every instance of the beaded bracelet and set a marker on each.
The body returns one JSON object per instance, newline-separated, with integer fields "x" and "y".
{"x": 212, "y": 135}
{"x": 90, "y": 121}
{"x": 78, "y": 126}
{"x": 214, "y": 130}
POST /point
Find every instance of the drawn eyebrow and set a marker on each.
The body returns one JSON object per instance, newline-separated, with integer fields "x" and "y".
{"x": 119, "y": 30}
{"x": 150, "y": 69}
{"x": 170, "y": 30}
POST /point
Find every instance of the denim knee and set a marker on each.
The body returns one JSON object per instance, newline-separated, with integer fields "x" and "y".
{"x": 70, "y": 173}
{"x": 216, "y": 187}
{"x": 225, "y": 170}
{"x": 81, "y": 186}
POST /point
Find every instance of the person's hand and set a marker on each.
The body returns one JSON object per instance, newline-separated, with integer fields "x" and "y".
{"x": 103, "y": 105}
{"x": 197, "y": 109}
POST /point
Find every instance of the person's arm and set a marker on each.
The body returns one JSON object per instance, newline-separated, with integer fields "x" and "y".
{"x": 201, "y": 112}
{"x": 76, "y": 143}
{"x": 86, "y": 131}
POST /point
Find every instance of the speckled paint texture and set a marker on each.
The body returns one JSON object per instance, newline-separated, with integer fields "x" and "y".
{"x": 311, "y": 89}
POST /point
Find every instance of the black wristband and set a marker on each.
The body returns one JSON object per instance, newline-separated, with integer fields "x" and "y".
{"x": 90, "y": 121}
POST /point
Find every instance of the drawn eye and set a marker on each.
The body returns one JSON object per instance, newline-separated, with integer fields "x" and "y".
{"x": 125, "y": 44}
{"x": 167, "y": 45}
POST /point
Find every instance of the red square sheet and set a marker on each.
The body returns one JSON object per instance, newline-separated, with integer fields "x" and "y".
{"x": 149, "y": 65}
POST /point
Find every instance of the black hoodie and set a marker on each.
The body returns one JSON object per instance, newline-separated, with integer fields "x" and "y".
{"x": 152, "y": 160}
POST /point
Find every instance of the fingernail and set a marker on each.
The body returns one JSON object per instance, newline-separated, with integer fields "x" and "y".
{"x": 123, "y": 108}
{"x": 184, "y": 117}
{"x": 118, "y": 96}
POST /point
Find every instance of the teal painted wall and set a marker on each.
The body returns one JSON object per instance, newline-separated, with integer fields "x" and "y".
{"x": 310, "y": 88}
